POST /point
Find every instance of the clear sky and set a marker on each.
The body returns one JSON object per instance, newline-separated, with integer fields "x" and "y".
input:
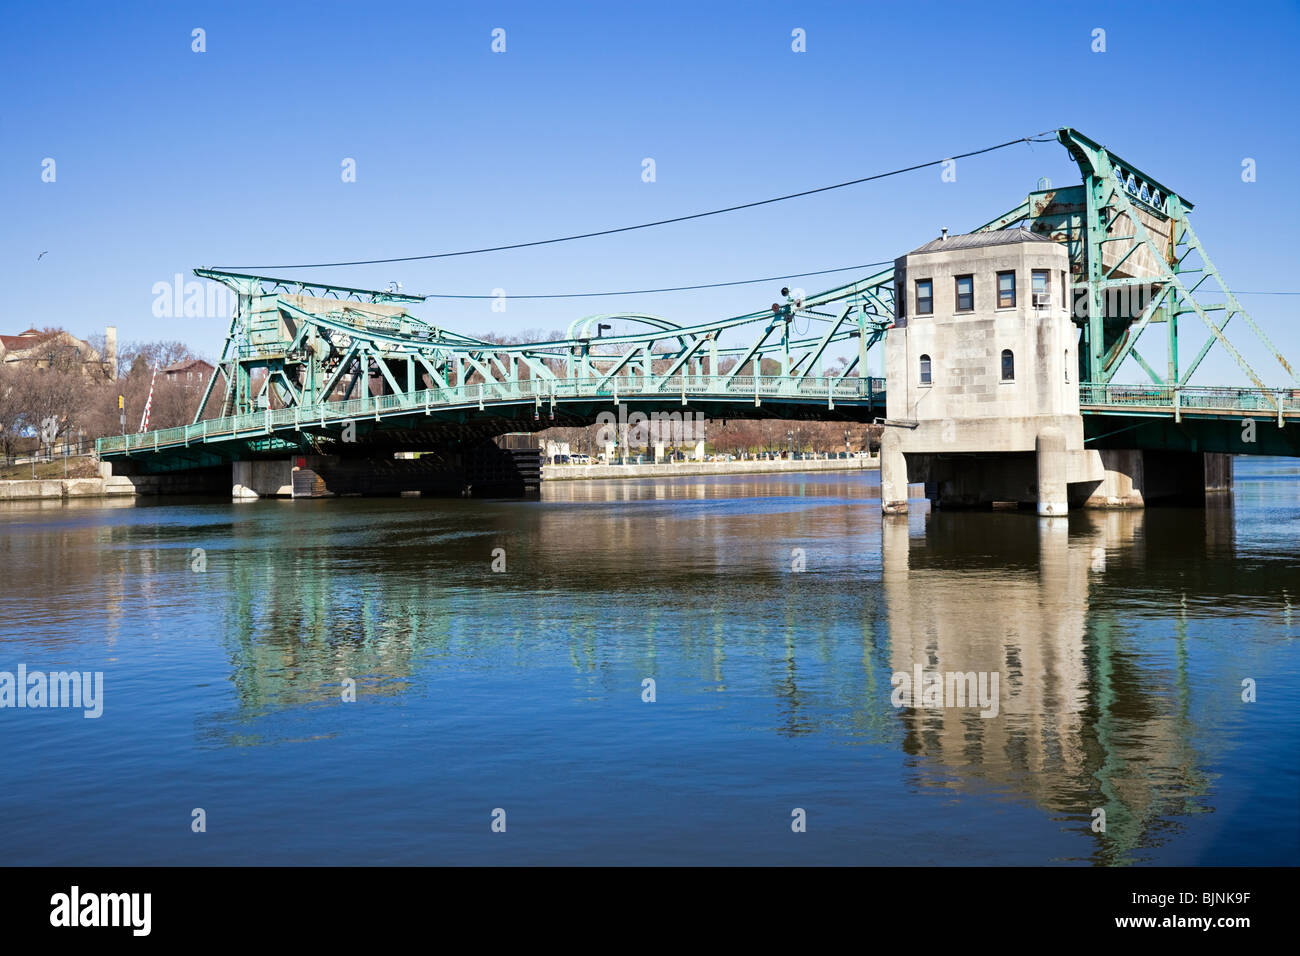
{"x": 167, "y": 159}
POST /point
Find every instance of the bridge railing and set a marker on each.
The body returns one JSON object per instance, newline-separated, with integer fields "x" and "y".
{"x": 254, "y": 424}
{"x": 1274, "y": 401}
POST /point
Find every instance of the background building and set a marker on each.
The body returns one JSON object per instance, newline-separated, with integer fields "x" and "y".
{"x": 57, "y": 348}
{"x": 190, "y": 374}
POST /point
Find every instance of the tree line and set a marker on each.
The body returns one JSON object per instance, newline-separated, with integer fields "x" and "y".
{"x": 63, "y": 401}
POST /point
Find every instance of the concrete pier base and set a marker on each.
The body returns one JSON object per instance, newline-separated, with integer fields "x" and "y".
{"x": 1218, "y": 473}
{"x": 1052, "y": 463}
{"x": 1135, "y": 478}
{"x": 893, "y": 474}
{"x": 1121, "y": 486}
{"x": 1052, "y": 479}
{"x": 259, "y": 479}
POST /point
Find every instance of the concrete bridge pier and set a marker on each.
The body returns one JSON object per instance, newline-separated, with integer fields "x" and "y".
{"x": 1122, "y": 480}
{"x": 893, "y": 474}
{"x": 1218, "y": 473}
{"x": 1053, "y": 465}
{"x": 1134, "y": 478}
{"x": 1042, "y": 479}
{"x": 251, "y": 480}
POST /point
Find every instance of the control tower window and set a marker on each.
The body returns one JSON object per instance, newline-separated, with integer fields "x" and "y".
{"x": 924, "y": 297}
{"x": 1006, "y": 290}
{"x": 1042, "y": 280}
{"x": 965, "y": 293}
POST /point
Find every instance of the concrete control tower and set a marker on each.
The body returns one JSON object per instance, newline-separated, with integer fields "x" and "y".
{"x": 981, "y": 376}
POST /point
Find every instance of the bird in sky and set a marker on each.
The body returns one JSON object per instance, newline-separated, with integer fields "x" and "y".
{"x": 38, "y": 258}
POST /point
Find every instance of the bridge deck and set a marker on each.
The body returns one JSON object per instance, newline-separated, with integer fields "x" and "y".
{"x": 779, "y": 393}
{"x": 745, "y": 390}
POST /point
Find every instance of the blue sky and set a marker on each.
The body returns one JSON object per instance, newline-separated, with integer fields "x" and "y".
{"x": 167, "y": 159}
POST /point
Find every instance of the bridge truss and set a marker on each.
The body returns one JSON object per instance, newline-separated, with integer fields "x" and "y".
{"x": 298, "y": 344}
{"x": 1137, "y": 263}
{"x": 301, "y": 359}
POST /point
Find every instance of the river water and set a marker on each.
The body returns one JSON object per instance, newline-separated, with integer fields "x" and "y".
{"x": 500, "y": 654}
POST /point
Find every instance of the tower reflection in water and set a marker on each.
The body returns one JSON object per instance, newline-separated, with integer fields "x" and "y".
{"x": 1082, "y": 722}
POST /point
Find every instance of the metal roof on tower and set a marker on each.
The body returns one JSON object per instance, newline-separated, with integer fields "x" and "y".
{"x": 975, "y": 240}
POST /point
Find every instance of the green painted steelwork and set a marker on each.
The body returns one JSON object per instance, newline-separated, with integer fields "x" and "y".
{"x": 303, "y": 359}
{"x": 1203, "y": 433}
{"x": 1136, "y": 252}
{"x": 307, "y": 343}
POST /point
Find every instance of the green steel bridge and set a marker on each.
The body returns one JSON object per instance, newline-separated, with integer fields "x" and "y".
{"x": 310, "y": 367}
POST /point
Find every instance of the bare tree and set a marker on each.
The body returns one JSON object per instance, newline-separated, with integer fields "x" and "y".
{"x": 31, "y": 398}
{"x": 138, "y": 357}
{"x": 11, "y": 409}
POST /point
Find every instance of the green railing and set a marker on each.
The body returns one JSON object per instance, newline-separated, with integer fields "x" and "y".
{"x": 1200, "y": 398}
{"x": 260, "y": 424}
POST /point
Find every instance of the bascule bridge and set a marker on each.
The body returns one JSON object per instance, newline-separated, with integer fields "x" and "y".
{"x": 1002, "y": 348}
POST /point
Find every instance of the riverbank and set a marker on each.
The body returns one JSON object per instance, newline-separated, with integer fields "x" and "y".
{"x": 53, "y": 489}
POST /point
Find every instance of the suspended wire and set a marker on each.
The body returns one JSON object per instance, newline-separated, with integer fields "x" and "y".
{"x": 678, "y": 288}
{"x": 646, "y": 225}
{"x": 709, "y": 285}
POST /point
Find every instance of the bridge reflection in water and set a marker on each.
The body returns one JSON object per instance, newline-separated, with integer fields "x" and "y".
{"x": 1086, "y": 623}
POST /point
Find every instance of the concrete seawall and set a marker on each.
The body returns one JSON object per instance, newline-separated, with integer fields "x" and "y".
{"x": 687, "y": 468}
{"x": 55, "y": 488}
{"x": 110, "y": 485}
